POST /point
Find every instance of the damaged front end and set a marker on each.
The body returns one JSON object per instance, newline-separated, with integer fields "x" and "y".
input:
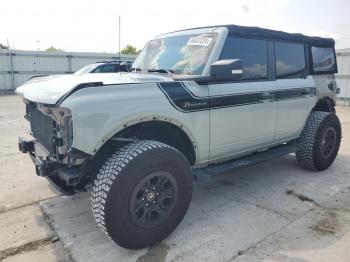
{"x": 50, "y": 147}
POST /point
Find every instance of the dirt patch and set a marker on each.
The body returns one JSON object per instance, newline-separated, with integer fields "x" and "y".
{"x": 328, "y": 224}
{"x": 333, "y": 221}
{"x": 300, "y": 196}
{"x": 157, "y": 253}
{"x": 24, "y": 248}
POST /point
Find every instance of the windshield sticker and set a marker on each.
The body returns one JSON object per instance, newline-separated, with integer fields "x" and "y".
{"x": 200, "y": 40}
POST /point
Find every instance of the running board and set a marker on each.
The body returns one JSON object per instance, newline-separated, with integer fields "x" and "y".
{"x": 255, "y": 158}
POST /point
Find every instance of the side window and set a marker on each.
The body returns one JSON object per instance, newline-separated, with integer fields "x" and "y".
{"x": 105, "y": 69}
{"x": 253, "y": 54}
{"x": 124, "y": 67}
{"x": 323, "y": 59}
{"x": 290, "y": 60}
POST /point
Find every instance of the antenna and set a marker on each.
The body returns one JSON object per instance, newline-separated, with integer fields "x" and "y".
{"x": 119, "y": 40}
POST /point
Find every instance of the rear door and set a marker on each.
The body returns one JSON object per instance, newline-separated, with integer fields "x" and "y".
{"x": 296, "y": 92}
{"x": 243, "y": 114}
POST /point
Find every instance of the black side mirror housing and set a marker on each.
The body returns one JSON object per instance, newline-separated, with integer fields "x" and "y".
{"x": 226, "y": 70}
{"x": 123, "y": 67}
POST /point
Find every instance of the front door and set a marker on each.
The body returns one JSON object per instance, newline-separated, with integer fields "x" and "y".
{"x": 243, "y": 114}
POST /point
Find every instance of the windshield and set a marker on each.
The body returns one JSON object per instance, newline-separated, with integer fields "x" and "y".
{"x": 185, "y": 54}
{"x": 85, "y": 70}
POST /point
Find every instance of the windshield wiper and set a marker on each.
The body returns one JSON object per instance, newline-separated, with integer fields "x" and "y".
{"x": 161, "y": 70}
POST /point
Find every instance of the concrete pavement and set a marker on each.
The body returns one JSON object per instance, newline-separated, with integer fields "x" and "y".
{"x": 275, "y": 211}
{"x": 24, "y": 233}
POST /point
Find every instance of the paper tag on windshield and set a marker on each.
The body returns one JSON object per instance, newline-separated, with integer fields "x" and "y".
{"x": 199, "y": 40}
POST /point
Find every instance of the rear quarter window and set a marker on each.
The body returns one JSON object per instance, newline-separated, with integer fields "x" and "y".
{"x": 323, "y": 59}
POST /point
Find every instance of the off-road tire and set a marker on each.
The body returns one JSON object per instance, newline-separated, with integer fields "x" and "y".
{"x": 116, "y": 181}
{"x": 310, "y": 155}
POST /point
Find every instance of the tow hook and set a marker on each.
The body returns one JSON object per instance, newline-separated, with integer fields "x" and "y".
{"x": 25, "y": 145}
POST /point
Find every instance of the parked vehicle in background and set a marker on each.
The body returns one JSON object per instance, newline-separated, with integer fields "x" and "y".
{"x": 105, "y": 67}
{"x": 197, "y": 102}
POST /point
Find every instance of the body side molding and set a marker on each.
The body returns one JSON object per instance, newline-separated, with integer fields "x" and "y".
{"x": 181, "y": 98}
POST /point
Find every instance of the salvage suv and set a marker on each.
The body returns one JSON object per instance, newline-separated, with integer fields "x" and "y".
{"x": 198, "y": 102}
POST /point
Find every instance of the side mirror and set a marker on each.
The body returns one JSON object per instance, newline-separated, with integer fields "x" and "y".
{"x": 227, "y": 70}
{"x": 123, "y": 67}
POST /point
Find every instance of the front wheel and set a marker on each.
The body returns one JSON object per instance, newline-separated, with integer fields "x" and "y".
{"x": 319, "y": 141}
{"x": 141, "y": 193}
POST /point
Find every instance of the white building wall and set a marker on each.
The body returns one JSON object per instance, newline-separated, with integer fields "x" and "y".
{"x": 343, "y": 76}
{"x": 18, "y": 66}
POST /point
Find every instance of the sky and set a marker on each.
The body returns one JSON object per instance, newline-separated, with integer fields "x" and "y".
{"x": 92, "y": 26}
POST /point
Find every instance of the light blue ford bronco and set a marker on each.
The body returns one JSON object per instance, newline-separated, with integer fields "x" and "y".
{"x": 197, "y": 102}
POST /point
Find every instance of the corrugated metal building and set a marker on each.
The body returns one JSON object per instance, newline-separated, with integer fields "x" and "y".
{"x": 18, "y": 66}
{"x": 343, "y": 76}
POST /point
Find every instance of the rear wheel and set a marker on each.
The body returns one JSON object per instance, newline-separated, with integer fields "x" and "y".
{"x": 141, "y": 193}
{"x": 319, "y": 141}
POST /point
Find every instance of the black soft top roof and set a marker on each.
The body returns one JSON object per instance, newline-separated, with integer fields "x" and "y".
{"x": 279, "y": 35}
{"x": 257, "y": 32}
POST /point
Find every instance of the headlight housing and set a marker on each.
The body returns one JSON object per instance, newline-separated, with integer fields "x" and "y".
{"x": 63, "y": 130}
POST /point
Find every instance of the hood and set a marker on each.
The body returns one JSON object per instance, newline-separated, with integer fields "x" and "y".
{"x": 49, "y": 89}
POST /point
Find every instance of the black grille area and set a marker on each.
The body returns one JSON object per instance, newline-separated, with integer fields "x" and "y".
{"x": 42, "y": 128}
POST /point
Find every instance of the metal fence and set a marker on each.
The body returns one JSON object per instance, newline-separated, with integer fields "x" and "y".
{"x": 18, "y": 66}
{"x": 343, "y": 76}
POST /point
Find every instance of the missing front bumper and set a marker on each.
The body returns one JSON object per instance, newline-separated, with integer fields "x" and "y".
{"x": 65, "y": 179}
